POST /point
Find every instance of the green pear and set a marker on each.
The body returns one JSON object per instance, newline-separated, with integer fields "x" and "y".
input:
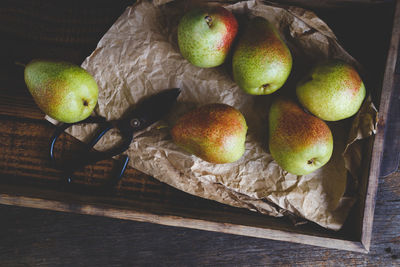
{"x": 261, "y": 61}
{"x": 332, "y": 90}
{"x": 299, "y": 142}
{"x": 64, "y": 91}
{"x": 205, "y": 35}
{"x": 215, "y": 133}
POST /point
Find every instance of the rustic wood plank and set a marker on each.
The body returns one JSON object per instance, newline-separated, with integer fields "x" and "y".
{"x": 33, "y": 237}
{"x": 25, "y": 162}
{"x": 77, "y": 23}
{"x": 204, "y": 223}
{"x": 74, "y": 31}
{"x": 391, "y": 152}
{"x": 377, "y": 153}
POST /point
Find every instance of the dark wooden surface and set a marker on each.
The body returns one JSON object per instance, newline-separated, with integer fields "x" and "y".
{"x": 30, "y": 237}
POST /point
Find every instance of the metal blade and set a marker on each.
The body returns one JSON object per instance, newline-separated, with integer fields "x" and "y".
{"x": 152, "y": 109}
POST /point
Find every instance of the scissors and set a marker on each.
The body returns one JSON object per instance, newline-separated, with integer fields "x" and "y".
{"x": 147, "y": 112}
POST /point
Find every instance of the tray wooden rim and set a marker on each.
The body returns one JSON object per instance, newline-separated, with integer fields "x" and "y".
{"x": 113, "y": 211}
{"x": 371, "y": 175}
{"x": 378, "y": 142}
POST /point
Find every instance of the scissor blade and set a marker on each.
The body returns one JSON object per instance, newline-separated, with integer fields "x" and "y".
{"x": 155, "y": 107}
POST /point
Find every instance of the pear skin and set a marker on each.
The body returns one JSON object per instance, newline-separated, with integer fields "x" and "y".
{"x": 215, "y": 133}
{"x": 261, "y": 61}
{"x": 206, "y": 34}
{"x": 299, "y": 142}
{"x": 64, "y": 91}
{"x": 332, "y": 91}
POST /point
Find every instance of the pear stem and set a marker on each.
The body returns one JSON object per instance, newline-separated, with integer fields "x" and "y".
{"x": 208, "y": 20}
{"x": 20, "y": 64}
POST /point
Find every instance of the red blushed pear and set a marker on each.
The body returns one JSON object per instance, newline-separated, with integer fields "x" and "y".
{"x": 332, "y": 91}
{"x": 215, "y": 133}
{"x": 261, "y": 61}
{"x": 205, "y": 35}
{"x": 299, "y": 142}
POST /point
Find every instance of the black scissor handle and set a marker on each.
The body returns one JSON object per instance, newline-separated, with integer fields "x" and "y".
{"x": 92, "y": 157}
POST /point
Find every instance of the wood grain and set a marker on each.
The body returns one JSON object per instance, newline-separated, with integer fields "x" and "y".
{"x": 206, "y": 223}
{"x": 33, "y": 237}
{"x": 138, "y": 193}
{"x": 377, "y": 153}
{"x": 70, "y": 31}
{"x": 25, "y": 164}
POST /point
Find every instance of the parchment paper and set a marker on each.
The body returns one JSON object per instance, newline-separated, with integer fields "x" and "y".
{"x": 139, "y": 56}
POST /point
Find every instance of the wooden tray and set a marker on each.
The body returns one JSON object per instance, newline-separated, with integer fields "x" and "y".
{"x": 70, "y": 32}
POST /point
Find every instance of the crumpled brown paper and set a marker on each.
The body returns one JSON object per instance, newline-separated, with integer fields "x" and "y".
{"x": 139, "y": 56}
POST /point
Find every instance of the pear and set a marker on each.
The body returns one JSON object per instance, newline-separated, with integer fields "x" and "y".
{"x": 299, "y": 142}
{"x": 215, "y": 133}
{"x": 261, "y": 61}
{"x": 332, "y": 91}
{"x": 64, "y": 91}
{"x": 205, "y": 35}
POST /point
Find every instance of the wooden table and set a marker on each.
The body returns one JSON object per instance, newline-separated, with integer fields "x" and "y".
{"x": 70, "y": 30}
